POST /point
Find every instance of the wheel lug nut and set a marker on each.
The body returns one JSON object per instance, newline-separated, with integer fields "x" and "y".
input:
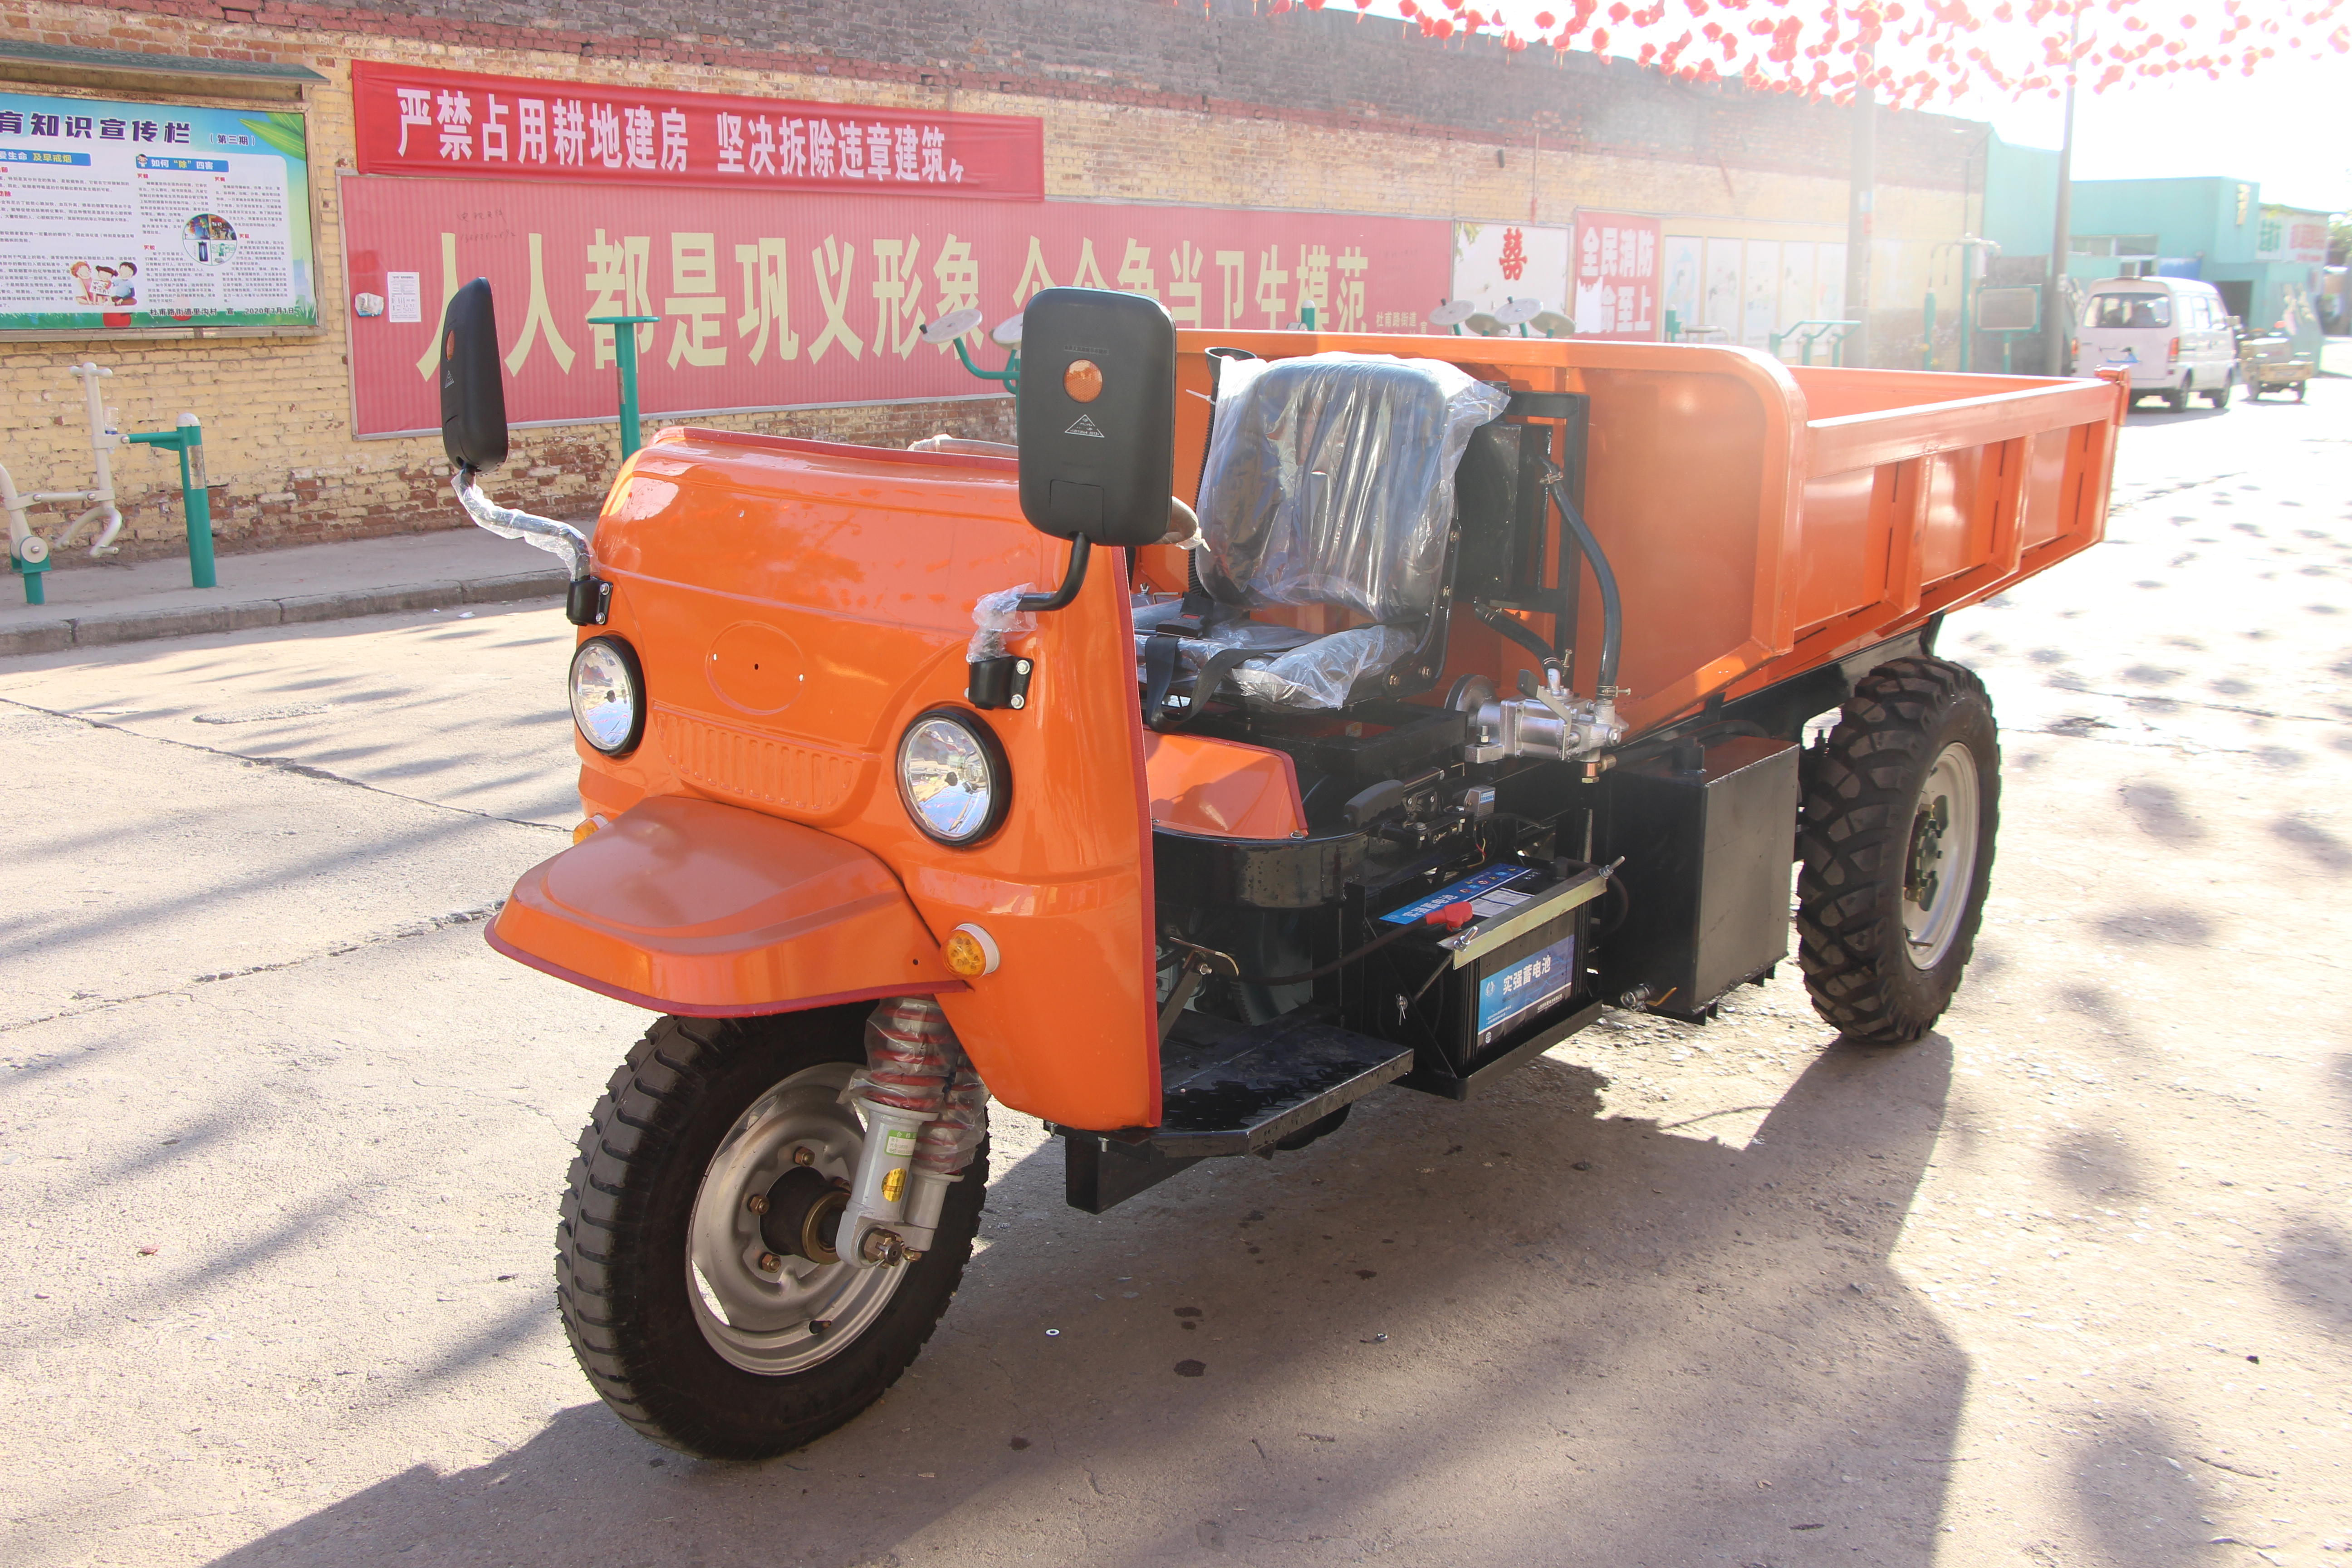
{"x": 770, "y": 1263}
{"x": 757, "y": 1202}
{"x": 803, "y": 1155}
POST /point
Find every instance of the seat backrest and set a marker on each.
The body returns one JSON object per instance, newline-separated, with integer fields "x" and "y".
{"x": 1330, "y": 481}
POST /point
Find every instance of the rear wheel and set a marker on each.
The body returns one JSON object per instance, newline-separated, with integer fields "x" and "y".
{"x": 695, "y": 1275}
{"x": 1901, "y": 807}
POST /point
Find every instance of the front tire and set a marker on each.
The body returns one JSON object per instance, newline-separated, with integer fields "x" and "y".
{"x": 2220, "y": 396}
{"x": 1896, "y": 832}
{"x": 2178, "y": 398}
{"x": 661, "y": 1274}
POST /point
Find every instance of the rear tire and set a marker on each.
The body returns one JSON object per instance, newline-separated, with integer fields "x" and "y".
{"x": 647, "y": 1321}
{"x": 1902, "y": 804}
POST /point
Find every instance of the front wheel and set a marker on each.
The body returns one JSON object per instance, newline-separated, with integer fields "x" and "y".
{"x": 2178, "y": 398}
{"x": 1896, "y": 832}
{"x": 2220, "y": 396}
{"x": 695, "y": 1270}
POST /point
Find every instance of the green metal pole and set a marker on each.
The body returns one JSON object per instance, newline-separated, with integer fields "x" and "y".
{"x": 195, "y": 501}
{"x": 1927, "y": 333}
{"x": 1009, "y": 375}
{"x": 625, "y": 359}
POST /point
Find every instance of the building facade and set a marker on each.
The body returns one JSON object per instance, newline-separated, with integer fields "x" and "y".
{"x": 345, "y": 167}
{"x": 2265, "y": 258}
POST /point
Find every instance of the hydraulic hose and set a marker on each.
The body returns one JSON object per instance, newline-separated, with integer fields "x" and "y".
{"x": 1613, "y": 613}
{"x": 1519, "y": 632}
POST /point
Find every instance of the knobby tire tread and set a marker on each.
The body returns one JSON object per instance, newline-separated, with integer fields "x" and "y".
{"x": 652, "y": 1105}
{"x": 1854, "y": 835}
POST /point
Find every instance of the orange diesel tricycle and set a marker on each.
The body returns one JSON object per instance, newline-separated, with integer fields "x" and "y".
{"x": 1286, "y": 716}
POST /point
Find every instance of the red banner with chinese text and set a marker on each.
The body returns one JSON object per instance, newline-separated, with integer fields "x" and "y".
{"x": 1614, "y": 269}
{"x": 419, "y": 122}
{"x": 779, "y": 301}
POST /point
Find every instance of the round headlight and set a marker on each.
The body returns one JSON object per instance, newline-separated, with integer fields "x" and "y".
{"x": 952, "y": 776}
{"x": 608, "y": 696}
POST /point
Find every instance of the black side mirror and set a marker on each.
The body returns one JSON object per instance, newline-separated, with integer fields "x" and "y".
{"x": 1097, "y": 412}
{"x": 473, "y": 394}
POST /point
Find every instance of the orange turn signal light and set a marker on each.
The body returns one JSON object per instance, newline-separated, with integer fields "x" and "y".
{"x": 588, "y": 825}
{"x": 1083, "y": 381}
{"x": 971, "y": 953}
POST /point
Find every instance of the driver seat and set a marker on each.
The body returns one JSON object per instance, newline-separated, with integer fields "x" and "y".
{"x": 1329, "y": 482}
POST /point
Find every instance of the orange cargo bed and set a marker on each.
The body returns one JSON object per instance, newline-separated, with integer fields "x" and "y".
{"x": 1765, "y": 519}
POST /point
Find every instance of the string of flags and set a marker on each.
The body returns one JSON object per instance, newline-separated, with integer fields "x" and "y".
{"x": 1907, "y": 53}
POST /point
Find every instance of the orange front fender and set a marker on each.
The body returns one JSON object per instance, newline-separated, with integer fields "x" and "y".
{"x": 688, "y": 906}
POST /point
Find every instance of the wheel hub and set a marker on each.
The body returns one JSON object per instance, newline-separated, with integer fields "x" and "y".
{"x": 1927, "y": 851}
{"x": 1941, "y": 859}
{"x": 768, "y": 1290}
{"x": 803, "y": 1215}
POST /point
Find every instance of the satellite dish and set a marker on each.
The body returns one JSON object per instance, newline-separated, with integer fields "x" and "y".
{"x": 1513, "y": 312}
{"x": 1008, "y": 331}
{"x": 951, "y": 326}
{"x": 1484, "y": 325}
{"x": 1552, "y": 324}
{"x": 1452, "y": 313}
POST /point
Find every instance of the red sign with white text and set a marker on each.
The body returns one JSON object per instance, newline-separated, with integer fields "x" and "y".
{"x": 782, "y": 301}
{"x": 418, "y": 122}
{"x": 1615, "y": 273}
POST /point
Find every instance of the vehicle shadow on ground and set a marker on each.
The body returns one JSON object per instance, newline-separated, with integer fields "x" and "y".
{"x": 1509, "y": 1329}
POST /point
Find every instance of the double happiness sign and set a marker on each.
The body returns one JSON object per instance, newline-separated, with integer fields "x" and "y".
{"x": 416, "y": 122}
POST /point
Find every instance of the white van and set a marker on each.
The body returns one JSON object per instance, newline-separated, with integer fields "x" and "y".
{"x": 2172, "y": 333}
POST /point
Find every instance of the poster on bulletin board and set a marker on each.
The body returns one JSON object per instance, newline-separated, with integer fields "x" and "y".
{"x": 123, "y": 216}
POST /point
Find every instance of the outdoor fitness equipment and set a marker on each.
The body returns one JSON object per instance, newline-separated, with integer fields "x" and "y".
{"x": 28, "y": 552}
{"x": 956, "y": 325}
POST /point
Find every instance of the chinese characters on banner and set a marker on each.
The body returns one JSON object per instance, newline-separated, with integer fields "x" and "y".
{"x": 774, "y": 300}
{"x": 416, "y": 122}
{"x": 1616, "y": 277}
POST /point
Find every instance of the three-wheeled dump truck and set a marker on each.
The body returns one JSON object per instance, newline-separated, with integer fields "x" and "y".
{"x": 1288, "y": 716}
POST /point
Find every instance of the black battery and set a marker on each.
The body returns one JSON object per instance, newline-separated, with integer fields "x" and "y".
{"x": 1464, "y": 998}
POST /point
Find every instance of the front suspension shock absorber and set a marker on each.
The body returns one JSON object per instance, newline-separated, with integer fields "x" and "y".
{"x": 925, "y": 1111}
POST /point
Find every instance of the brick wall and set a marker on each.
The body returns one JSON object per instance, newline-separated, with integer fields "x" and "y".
{"x": 1141, "y": 101}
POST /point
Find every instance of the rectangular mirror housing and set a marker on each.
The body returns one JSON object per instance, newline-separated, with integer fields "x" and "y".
{"x": 1097, "y": 412}
{"x": 472, "y": 393}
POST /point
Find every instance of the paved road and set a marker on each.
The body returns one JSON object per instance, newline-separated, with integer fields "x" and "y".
{"x": 2069, "y": 1283}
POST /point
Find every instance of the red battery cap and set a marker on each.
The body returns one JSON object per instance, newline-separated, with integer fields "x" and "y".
{"x": 1452, "y": 917}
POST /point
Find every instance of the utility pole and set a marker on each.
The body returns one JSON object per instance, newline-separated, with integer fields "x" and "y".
{"x": 1858, "y": 212}
{"x": 2056, "y": 328}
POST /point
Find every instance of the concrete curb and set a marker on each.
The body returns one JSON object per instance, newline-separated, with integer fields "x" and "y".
{"x": 103, "y": 631}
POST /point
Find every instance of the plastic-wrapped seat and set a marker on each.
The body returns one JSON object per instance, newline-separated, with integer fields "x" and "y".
{"x": 1329, "y": 481}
